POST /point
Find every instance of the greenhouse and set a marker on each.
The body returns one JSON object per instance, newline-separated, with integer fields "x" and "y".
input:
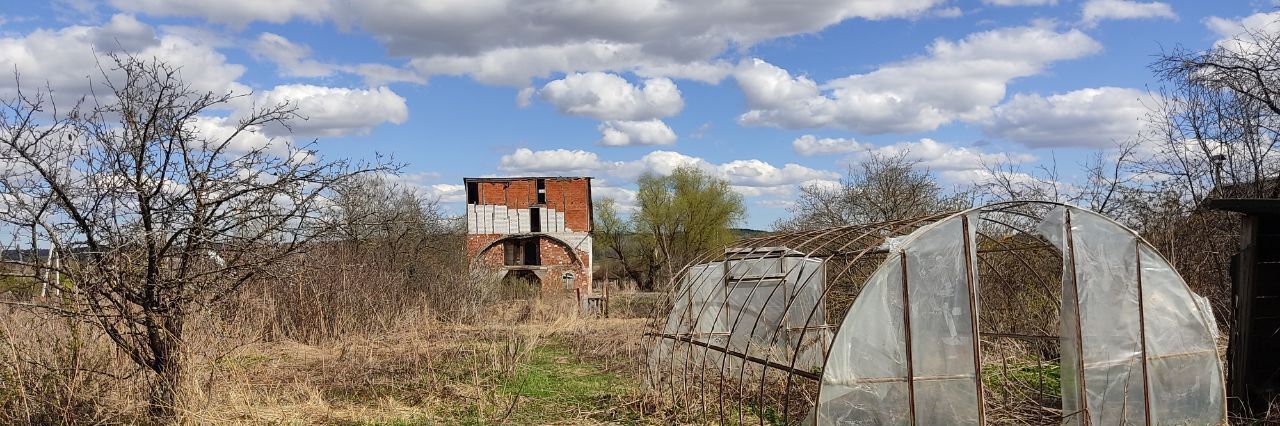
{"x": 1022, "y": 312}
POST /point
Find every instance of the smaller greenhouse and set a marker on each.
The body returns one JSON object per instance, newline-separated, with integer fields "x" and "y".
{"x": 740, "y": 306}
{"x": 1015, "y": 312}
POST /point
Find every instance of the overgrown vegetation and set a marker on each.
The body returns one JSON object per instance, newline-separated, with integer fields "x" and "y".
{"x": 200, "y": 282}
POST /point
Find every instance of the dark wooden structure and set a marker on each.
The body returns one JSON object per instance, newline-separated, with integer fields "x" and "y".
{"x": 1253, "y": 354}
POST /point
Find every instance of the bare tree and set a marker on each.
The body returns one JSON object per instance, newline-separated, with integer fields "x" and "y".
{"x": 1218, "y": 125}
{"x": 152, "y": 217}
{"x": 879, "y": 188}
{"x": 1112, "y": 183}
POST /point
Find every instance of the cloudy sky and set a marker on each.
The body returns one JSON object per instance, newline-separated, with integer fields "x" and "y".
{"x": 766, "y": 94}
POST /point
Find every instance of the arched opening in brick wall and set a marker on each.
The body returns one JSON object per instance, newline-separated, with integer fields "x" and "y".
{"x": 538, "y": 259}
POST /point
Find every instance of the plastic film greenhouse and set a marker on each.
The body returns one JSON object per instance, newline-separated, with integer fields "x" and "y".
{"x": 1013, "y": 313}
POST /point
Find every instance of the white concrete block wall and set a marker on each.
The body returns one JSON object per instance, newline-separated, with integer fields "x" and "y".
{"x": 491, "y": 219}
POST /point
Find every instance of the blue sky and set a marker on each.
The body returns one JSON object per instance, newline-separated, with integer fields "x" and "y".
{"x": 768, "y": 95}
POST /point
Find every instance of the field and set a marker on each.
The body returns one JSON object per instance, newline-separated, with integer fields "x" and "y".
{"x": 531, "y": 362}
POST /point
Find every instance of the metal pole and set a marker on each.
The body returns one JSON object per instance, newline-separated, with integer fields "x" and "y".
{"x": 1075, "y": 297}
{"x": 970, "y": 281}
{"x": 906, "y": 333}
{"x": 1142, "y": 335}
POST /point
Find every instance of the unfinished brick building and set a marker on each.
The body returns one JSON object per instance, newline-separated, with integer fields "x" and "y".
{"x": 534, "y": 228}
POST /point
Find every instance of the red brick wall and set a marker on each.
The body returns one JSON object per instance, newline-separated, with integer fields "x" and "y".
{"x": 554, "y": 253}
{"x": 573, "y": 197}
{"x": 555, "y": 259}
{"x": 516, "y": 194}
{"x": 569, "y": 195}
{"x": 493, "y": 256}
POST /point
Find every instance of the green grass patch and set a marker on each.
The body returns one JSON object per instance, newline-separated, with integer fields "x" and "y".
{"x": 1042, "y": 379}
{"x": 553, "y": 383}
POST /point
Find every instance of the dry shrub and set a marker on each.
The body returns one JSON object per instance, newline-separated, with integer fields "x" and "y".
{"x": 55, "y": 370}
{"x": 365, "y": 289}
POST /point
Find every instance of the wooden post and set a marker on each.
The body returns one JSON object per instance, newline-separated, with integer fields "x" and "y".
{"x": 606, "y": 298}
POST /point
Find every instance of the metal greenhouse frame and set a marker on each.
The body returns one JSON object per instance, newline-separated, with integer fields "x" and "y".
{"x": 752, "y": 336}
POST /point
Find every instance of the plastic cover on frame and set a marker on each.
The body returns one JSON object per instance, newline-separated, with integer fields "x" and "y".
{"x": 868, "y": 379}
{"x": 763, "y": 308}
{"x": 1114, "y": 284}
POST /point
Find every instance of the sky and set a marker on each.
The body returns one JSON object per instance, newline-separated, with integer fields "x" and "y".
{"x": 768, "y": 95}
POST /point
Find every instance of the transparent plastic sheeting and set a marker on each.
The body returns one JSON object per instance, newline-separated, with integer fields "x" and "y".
{"x": 1118, "y": 281}
{"x": 1112, "y": 281}
{"x": 764, "y": 308}
{"x": 867, "y": 379}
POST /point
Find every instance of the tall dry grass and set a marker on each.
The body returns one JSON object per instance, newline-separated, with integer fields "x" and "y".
{"x": 343, "y": 335}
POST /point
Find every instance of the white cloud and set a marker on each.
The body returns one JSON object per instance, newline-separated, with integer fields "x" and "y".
{"x": 749, "y": 177}
{"x": 607, "y": 96}
{"x": 509, "y": 42}
{"x": 562, "y": 161}
{"x": 943, "y": 157}
{"x": 1233, "y": 33}
{"x": 623, "y": 198}
{"x": 810, "y": 145}
{"x": 124, "y": 33}
{"x": 1020, "y": 2}
{"x": 233, "y": 12}
{"x": 756, "y": 173}
{"x": 336, "y": 111}
{"x": 291, "y": 58}
{"x": 1095, "y": 11}
{"x": 957, "y": 81}
{"x": 68, "y": 59}
{"x": 381, "y": 74}
{"x": 218, "y": 129}
{"x": 625, "y": 133}
{"x": 1088, "y": 117}
{"x": 706, "y": 72}
{"x": 446, "y": 193}
{"x": 524, "y": 97}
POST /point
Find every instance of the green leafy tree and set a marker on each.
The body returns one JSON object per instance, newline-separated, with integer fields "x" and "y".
{"x": 684, "y": 216}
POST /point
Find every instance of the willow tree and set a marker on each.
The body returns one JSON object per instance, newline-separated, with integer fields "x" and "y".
{"x": 154, "y": 215}
{"x": 684, "y": 216}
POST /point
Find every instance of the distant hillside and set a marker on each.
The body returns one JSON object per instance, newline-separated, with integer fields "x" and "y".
{"x": 748, "y": 233}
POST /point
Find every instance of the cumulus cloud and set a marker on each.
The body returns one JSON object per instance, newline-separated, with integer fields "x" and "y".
{"x": 750, "y": 177}
{"x": 606, "y": 96}
{"x": 336, "y": 111}
{"x": 217, "y": 129}
{"x": 562, "y": 161}
{"x": 509, "y": 42}
{"x": 1020, "y": 2}
{"x": 1095, "y": 11}
{"x": 626, "y": 133}
{"x": 947, "y": 159}
{"x": 810, "y": 145}
{"x": 446, "y": 193}
{"x": 233, "y": 12}
{"x": 124, "y": 33}
{"x": 69, "y": 59}
{"x": 1232, "y": 32}
{"x": 707, "y": 72}
{"x": 1094, "y": 117}
{"x": 291, "y": 58}
{"x": 958, "y": 80}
